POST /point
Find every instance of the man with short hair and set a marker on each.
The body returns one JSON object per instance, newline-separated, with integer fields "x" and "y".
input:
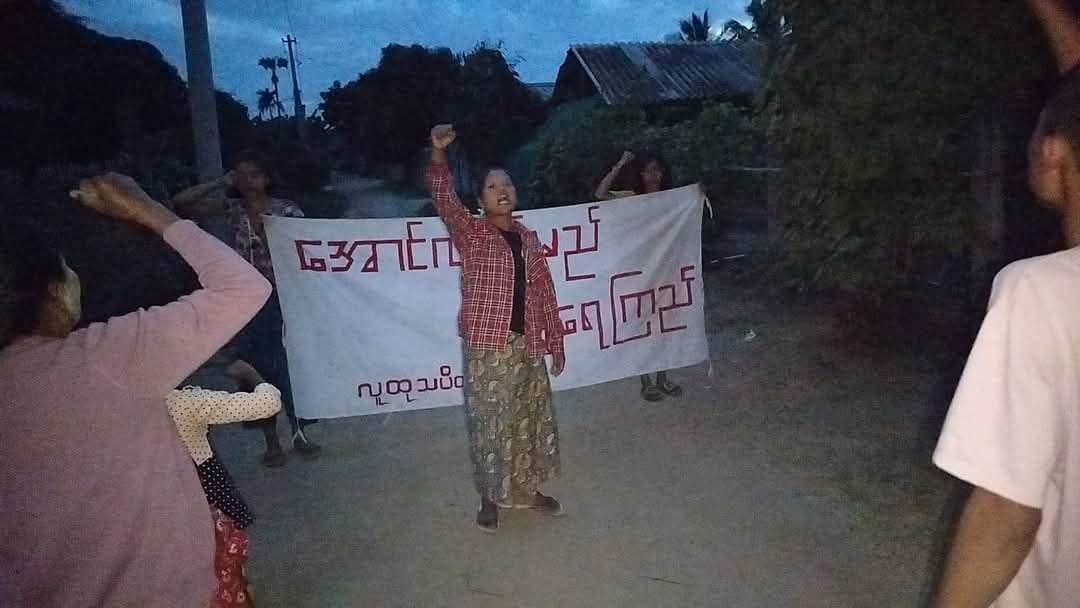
{"x": 1013, "y": 430}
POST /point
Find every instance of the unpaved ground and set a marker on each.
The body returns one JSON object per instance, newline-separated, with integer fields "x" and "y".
{"x": 370, "y": 198}
{"x": 790, "y": 477}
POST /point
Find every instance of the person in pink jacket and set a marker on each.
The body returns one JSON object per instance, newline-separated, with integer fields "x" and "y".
{"x": 101, "y": 505}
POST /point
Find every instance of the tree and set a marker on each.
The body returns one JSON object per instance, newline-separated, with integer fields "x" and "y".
{"x": 763, "y": 40}
{"x": 272, "y": 65}
{"x": 387, "y": 112}
{"x": 736, "y": 31}
{"x": 877, "y": 108}
{"x": 767, "y": 24}
{"x": 497, "y": 112}
{"x": 576, "y": 157}
{"x": 696, "y": 29}
{"x": 98, "y": 98}
{"x": 266, "y": 103}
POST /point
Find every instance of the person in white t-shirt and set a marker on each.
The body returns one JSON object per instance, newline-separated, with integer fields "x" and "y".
{"x": 1013, "y": 430}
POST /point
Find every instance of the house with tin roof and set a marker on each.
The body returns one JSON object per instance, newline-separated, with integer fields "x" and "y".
{"x": 658, "y": 72}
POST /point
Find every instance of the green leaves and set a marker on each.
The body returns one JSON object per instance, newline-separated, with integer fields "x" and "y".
{"x": 704, "y": 149}
{"x": 388, "y": 111}
{"x": 876, "y": 105}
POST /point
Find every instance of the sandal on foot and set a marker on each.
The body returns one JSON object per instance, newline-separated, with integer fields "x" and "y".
{"x": 669, "y": 388}
{"x": 487, "y": 518}
{"x": 308, "y": 450}
{"x": 546, "y": 505}
{"x": 274, "y": 457}
{"x": 652, "y": 393}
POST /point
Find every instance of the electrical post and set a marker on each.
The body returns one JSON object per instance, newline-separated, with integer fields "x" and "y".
{"x": 299, "y": 113}
{"x": 201, "y": 95}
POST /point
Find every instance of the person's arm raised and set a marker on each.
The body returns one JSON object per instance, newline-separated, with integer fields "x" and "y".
{"x": 200, "y": 200}
{"x": 603, "y": 191}
{"x": 1062, "y": 28}
{"x": 459, "y": 222}
{"x": 151, "y": 351}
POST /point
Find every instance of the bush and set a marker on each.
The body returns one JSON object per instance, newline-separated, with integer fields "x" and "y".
{"x": 877, "y": 131}
{"x": 523, "y": 163}
{"x": 576, "y": 158}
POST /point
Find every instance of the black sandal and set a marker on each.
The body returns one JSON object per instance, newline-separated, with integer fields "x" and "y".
{"x": 652, "y": 393}
{"x": 546, "y": 505}
{"x": 274, "y": 457}
{"x": 670, "y": 389}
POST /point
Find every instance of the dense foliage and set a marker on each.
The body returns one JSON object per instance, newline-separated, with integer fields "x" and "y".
{"x": 875, "y": 107}
{"x": 702, "y": 149}
{"x": 387, "y": 112}
{"x": 74, "y": 102}
{"x": 83, "y": 96}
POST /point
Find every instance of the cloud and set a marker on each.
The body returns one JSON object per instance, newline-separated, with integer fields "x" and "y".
{"x": 243, "y": 30}
{"x": 161, "y": 14}
{"x": 342, "y": 38}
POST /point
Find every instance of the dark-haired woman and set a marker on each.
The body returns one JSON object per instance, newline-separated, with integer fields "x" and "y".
{"x": 100, "y": 503}
{"x": 509, "y": 321}
{"x": 651, "y": 173}
{"x": 260, "y": 344}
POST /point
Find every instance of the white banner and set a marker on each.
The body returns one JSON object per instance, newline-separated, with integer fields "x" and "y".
{"x": 371, "y": 306}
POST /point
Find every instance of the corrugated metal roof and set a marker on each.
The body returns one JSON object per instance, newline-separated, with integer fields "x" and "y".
{"x": 661, "y": 71}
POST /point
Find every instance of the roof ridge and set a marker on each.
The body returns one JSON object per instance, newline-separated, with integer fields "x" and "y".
{"x": 589, "y": 45}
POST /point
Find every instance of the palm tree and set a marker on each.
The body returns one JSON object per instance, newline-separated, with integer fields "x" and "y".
{"x": 273, "y": 64}
{"x": 266, "y": 103}
{"x": 735, "y": 31}
{"x": 696, "y": 29}
{"x": 768, "y": 25}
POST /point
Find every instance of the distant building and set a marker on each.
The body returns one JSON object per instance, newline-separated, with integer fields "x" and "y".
{"x": 543, "y": 89}
{"x": 658, "y": 72}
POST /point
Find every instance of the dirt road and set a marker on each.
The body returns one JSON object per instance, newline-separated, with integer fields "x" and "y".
{"x": 790, "y": 476}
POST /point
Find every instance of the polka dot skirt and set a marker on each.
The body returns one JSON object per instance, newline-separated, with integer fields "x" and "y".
{"x": 221, "y": 492}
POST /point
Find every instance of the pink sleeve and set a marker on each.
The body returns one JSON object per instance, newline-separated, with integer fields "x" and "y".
{"x": 151, "y": 351}
{"x": 1004, "y": 429}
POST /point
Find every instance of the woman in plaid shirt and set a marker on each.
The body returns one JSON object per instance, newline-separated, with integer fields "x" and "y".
{"x": 509, "y": 321}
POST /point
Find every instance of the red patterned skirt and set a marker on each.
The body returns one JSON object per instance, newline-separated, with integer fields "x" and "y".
{"x": 229, "y": 559}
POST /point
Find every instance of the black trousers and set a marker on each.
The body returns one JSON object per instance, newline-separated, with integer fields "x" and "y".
{"x": 260, "y": 344}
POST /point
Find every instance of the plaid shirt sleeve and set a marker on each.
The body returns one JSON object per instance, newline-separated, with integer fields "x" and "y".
{"x": 541, "y": 277}
{"x": 457, "y": 218}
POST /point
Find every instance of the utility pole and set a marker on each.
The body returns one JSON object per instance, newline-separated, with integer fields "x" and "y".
{"x": 299, "y": 112}
{"x": 201, "y": 96}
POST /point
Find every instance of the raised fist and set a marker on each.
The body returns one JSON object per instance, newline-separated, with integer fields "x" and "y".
{"x": 442, "y": 136}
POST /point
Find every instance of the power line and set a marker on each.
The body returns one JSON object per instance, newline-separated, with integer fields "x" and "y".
{"x": 266, "y": 8}
{"x": 288, "y": 16}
